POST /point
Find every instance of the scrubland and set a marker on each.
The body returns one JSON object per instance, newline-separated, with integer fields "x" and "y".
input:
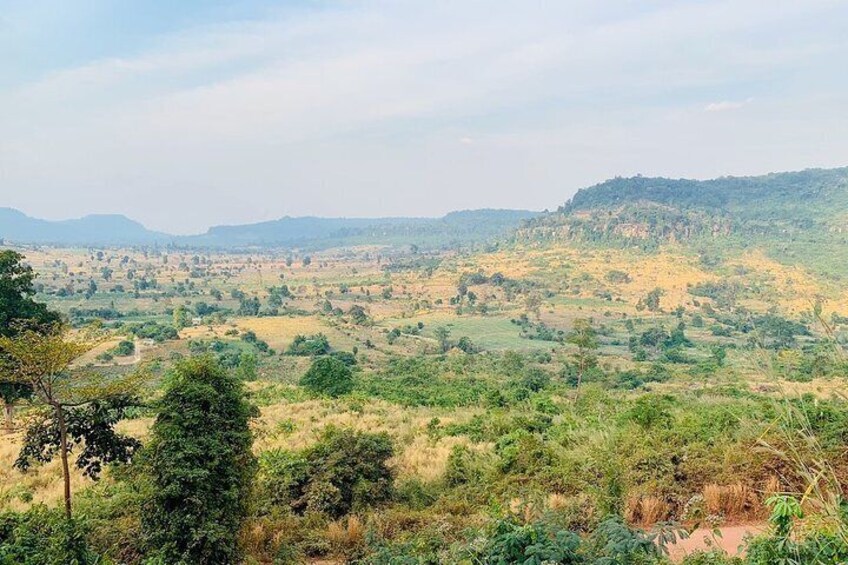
{"x": 709, "y": 391}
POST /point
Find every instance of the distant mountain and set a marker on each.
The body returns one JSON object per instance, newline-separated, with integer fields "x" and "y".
{"x": 98, "y": 229}
{"x": 642, "y": 210}
{"x": 456, "y": 228}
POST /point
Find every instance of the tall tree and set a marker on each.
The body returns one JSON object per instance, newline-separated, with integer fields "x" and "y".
{"x": 584, "y": 336}
{"x": 201, "y": 466}
{"x": 442, "y": 335}
{"x": 18, "y": 311}
{"x": 74, "y": 403}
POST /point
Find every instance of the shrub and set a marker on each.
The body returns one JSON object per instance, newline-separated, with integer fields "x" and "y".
{"x": 522, "y": 452}
{"x": 124, "y": 349}
{"x": 509, "y": 541}
{"x": 309, "y": 345}
{"x": 461, "y": 467}
{"x": 155, "y": 331}
{"x": 200, "y": 465}
{"x": 328, "y": 376}
{"x": 346, "y": 470}
{"x": 43, "y": 536}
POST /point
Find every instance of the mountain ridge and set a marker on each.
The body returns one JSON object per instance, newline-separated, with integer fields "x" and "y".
{"x": 658, "y": 209}
{"x": 809, "y": 206}
{"x": 311, "y": 232}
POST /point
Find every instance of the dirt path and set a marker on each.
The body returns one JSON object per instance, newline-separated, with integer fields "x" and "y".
{"x": 701, "y": 539}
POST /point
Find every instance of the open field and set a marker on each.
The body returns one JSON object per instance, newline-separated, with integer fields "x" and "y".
{"x": 471, "y": 365}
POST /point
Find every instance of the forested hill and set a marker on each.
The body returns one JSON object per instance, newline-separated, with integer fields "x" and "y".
{"x": 457, "y": 228}
{"x": 779, "y": 207}
{"x": 461, "y": 228}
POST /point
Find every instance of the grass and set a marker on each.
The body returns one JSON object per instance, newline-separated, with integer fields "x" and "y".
{"x": 492, "y": 333}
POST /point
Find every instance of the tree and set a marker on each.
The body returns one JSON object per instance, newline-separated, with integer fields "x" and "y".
{"x": 346, "y": 470}
{"x": 584, "y": 336}
{"x": 247, "y": 366}
{"x": 533, "y": 304}
{"x": 249, "y": 306}
{"x": 316, "y": 344}
{"x": 74, "y": 404}
{"x": 442, "y": 334}
{"x": 652, "y": 299}
{"x": 358, "y": 315}
{"x": 182, "y": 317}
{"x": 329, "y": 376}
{"x": 18, "y": 311}
{"x": 200, "y": 464}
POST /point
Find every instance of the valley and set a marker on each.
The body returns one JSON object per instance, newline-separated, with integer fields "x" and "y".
{"x": 655, "y": 356}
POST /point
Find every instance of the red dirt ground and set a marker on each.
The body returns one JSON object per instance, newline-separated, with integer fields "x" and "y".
{"x": 701, "y": 539}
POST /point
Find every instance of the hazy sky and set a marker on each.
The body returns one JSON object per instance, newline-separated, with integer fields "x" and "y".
{"x": 183, "y": 114}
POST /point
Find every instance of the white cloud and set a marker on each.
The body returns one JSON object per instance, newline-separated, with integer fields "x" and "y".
{"x": 725, "y": 105}
{"x": 356, "y": 110}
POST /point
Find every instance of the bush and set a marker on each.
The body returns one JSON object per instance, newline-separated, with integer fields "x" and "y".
{"x": 461, "y": 467}
{"x": 43, "y": 536}
{"x": 346, "y": 470}
{"x": 200, "y": 466}
{"x": 509, "y": 541}
{"x": 155, "y": 331}
{"x": 345, "y": 357}
{"x": 309, "y": 345}
{"x": 328, "y": 376}
{"x": 124, "y": 349}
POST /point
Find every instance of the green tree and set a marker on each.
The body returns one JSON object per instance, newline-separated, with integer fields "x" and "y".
{"x": 442, "y": 334}
{"x": 18, "y": 311}
{"x": 358, "y": 315}
{"x": 652, "y": 299}
{"x": 247, "y": 367}
{"x": 346, "y": 470}
{"x": 201, "y": 466}
{"x": 584, "y": 336}
{"x": 182, "y": 317}
{"x": 74, "y": 404}
{"x": 329, "y": 376}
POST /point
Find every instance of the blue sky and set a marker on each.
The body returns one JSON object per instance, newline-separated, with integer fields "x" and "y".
{"x": 188, "y": 114}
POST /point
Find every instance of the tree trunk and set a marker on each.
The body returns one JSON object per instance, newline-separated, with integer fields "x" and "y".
{"x": 8, "y": 409}
{"x": 63, "y": 450}
{"x": 581, "y": 368}
{"x": 579, "y": 382}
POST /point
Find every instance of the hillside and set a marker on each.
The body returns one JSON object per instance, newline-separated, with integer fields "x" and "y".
{"x": 795, "y": 216}
{"x": 312, "y": 233}
{"x": 457, "y": 228}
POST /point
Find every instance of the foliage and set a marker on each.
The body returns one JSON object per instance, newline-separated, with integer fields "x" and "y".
{"x": 41, "y": 536}
{"x": 17, "y": 308}
{"x": 91, "y": 427}
{"x": 18, "y": 312}
{"x": 312, "y": 345}
{"x": 346, "y": 470}
{"x": 329, "y": 376}
{"x": 200, "y": 464}
{"x": 508, "y": 541}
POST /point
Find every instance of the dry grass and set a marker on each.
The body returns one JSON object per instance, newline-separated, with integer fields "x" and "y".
{"x": 731, "y": 501}
{"x": 41, "y": 484}
{"x": 557, "y": 501}
{"x": 346, "y": 534}
{"x": 645, "y": 510}
{"x": 771, "y": 487}
{"x": 418, "y": 455}
{"x": 653, "y": 509}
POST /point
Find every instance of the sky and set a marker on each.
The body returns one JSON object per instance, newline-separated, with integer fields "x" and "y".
{"x": 188, "y": 114}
